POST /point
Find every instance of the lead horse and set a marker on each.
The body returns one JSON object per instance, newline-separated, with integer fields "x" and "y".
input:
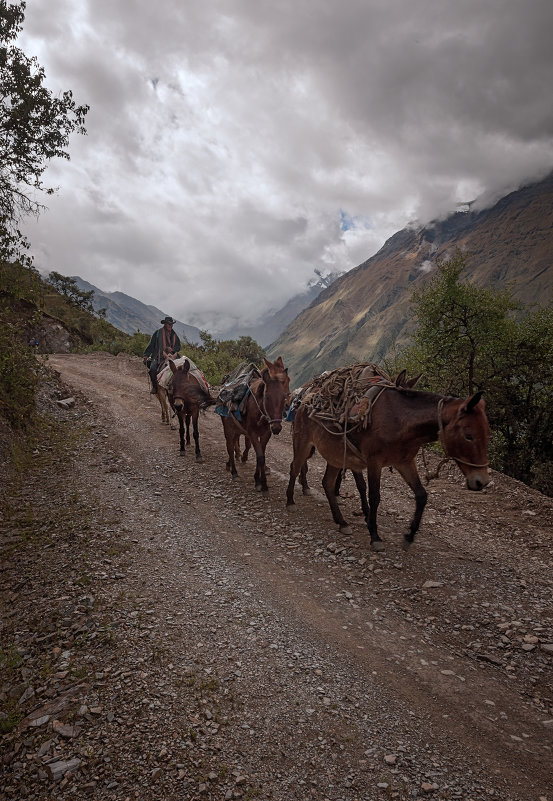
{"x": 187, "y": 396}
{"x": 260, "y": 417}
{"x": 402, "y": 421}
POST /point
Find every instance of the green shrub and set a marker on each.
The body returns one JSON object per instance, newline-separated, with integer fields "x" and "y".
{"x": 19, "y": 378}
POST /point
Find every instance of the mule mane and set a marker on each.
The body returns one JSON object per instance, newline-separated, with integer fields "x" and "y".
{"x": 407, "y": 392}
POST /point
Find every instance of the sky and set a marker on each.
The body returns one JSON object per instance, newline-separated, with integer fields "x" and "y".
{"x": 235, "y": 146}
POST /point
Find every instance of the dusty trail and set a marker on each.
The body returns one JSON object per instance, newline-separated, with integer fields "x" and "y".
{"x": 326, "y": 671}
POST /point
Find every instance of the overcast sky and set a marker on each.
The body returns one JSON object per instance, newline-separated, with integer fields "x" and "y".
{"x": 234, "y": 146}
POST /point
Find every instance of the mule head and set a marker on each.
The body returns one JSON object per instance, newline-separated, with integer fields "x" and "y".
{"x": 180, "y": 382}
{"x": 466, "y": 435}
{"x": 275, "y": 391}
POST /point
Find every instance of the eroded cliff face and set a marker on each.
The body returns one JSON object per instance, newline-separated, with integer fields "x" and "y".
{"x": 365, "y": 312}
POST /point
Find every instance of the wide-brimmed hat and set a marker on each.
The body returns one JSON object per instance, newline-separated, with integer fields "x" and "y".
{"x": 168, "y": 320}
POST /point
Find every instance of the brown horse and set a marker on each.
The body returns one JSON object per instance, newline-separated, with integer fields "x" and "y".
{"x": 261, "y": 416}
{"x": 402, "y": 421}
{"x": 187, "y": 395}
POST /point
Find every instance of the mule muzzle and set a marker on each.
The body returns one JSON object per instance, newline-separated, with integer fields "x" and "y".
{"x": 478, "y": 479}
{"x": 276, "y": 427}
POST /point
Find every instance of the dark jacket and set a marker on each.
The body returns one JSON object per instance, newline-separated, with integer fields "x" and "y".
{"x": 155, "y": 345}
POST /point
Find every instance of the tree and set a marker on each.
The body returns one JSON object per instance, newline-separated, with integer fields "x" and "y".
{"x": 520, "y": 401}
{"x": 462, "y": 329}
{"x": 68, "y": 287}
{"x": 34, "y": 128}
{"x": 216, "y": 358}
{"x": 472, "y": 338}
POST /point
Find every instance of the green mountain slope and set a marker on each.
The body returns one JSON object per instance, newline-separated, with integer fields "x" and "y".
{"x": 365, "y": 312}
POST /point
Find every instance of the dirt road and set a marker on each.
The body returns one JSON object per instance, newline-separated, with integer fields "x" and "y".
{"x": 230, "y": 649}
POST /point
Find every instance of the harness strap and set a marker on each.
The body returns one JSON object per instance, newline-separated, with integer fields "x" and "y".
{"x": 263, "y": 411}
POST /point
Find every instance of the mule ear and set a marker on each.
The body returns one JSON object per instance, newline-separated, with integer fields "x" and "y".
{"x": 279, "y": 363}
{"x": 172, "y": 366}
{"x": 267, "y": 362}
{"x": 412, "y": 382}
{"x": 472, "y": 402}
{"x": 400, "y": 380}
{"x": 186, "y": 366}
{"x": 265, "y": 375}
{"x": 286, "y": 370}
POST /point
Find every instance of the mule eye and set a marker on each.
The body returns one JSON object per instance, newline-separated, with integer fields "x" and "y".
{"x": 469, "y": 437}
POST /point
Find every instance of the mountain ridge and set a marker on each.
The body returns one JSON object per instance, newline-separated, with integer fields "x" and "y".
{"x": 131, "y": 315}
{"x": 365, "y": 312}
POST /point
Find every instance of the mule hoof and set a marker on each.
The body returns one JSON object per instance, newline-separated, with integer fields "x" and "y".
{"x": 291, "y": 507}
{"x": 306, "y": 491}
{"x": 235, "y": 476}
{"x": 406, "y": 544}
{"x": 200, "y": 459}
{"x": 346, "y": 530}
{"x": 377, "y": 545}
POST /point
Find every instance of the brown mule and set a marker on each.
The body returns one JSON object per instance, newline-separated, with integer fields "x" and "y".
{"x": 261, "y": 416}
{"x": 402, "y": 421}
{"x": 187, "y": 395}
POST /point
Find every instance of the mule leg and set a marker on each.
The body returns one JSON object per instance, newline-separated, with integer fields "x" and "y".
{"x": 373, "y": 477}
{"x": 361, "y": 485}
{"x": 230, "y": 440}
{"x": 187, "y": 418}
{"x": 181, "y": 431}
{"x": 410, "y": 475}
{"x": 303, "y": 479}
{"x": 303, "y": 473}
{"x": 298, "y": 467}
{"x": 162, "y": 398}
{"x": 259, "y": 445}
{"x": 247, "y": 446}
{"x": 329, "y": 485}
{"x": 196, "y": 435}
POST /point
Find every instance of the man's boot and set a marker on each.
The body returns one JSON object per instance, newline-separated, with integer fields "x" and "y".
{"x": 153, "y": 390}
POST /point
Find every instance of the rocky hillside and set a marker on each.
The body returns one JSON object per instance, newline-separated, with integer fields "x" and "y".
{"x": 366, "y": 311}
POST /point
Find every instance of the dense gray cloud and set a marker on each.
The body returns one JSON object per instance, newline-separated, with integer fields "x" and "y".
{"x": 234, "y": 147}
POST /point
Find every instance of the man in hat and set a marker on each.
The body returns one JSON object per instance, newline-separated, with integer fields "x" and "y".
{"x": 163, "y": 345}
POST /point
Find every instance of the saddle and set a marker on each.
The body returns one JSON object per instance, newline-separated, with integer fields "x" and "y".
{"x": 236, "y": 386}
